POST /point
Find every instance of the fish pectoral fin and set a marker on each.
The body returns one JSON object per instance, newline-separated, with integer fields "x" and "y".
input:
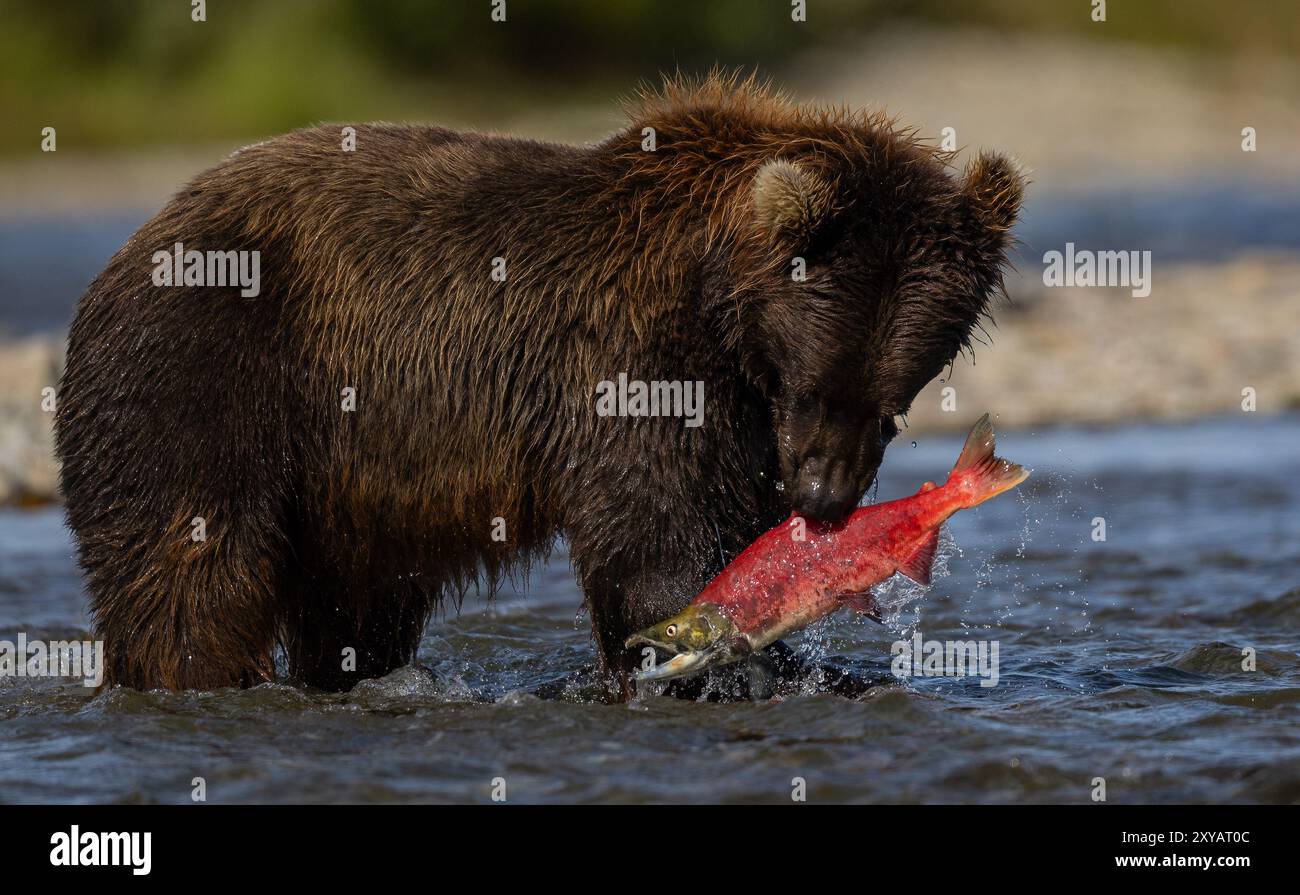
{"x": 863, "y": 603}
{"x": 919, "y": 565}
{"x": 738, "y": 646}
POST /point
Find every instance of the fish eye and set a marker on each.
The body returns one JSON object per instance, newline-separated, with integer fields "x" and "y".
{"x": 671, "y": 630}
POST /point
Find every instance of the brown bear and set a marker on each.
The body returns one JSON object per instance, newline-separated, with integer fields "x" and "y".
{"x": 406, "y": 400}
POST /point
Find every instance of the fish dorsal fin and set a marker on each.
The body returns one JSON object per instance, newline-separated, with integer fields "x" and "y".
{"x": 863, "y": 603}
{"x": 918, "y": 565}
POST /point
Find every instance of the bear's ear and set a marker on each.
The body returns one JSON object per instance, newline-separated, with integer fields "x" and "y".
{"x": 790, "y": 201}
{"x": 995, "y": 187}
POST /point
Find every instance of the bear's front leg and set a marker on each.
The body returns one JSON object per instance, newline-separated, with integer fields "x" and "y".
{"x": 663, "y": 507}
{"x": 637, "y": 568}
{"x": 606, "y": 605}
{"x": 621, "y": 602}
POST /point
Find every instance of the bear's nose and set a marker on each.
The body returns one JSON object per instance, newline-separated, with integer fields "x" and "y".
{"x": 824, "y": 506}
{"x": 820, "y": 494}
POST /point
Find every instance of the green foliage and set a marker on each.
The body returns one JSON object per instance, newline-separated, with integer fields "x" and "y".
{"x": 130, "y": 72}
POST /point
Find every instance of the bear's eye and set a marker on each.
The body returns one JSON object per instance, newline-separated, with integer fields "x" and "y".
{"x": 671, "y": 630}
{"x": 805, "y": 403}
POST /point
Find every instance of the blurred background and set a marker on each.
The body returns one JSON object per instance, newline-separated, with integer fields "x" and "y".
{"x": 1131, "y": 130}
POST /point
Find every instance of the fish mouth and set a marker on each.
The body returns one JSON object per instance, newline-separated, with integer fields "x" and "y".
{"x": 683, "y": 662}
{"x": 643, "y": 640}
{"x": 687, "y": 663}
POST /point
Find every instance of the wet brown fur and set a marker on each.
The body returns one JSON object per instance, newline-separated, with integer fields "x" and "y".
{"x": 329, "y": 529}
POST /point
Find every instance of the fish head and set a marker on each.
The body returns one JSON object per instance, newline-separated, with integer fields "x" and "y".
{"x": 698, "y": 637}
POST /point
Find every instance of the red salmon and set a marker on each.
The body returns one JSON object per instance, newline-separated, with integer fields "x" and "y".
{"x": 803, "y": 570}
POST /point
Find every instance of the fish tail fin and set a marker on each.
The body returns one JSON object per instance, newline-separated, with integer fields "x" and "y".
{"x": 984, "y": 475}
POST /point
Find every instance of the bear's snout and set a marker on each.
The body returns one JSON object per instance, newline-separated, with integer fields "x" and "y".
{"x": 825, "y": 491}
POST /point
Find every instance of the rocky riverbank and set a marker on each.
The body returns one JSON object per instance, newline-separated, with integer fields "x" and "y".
{"x": 28, "y": 474}
{"x": 1099, "y": 356}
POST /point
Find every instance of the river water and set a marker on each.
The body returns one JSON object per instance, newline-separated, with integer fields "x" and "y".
{"x": 1162, "y": 660}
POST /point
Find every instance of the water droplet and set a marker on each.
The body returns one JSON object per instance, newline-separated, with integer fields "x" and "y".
{"x": 914, "y": 444}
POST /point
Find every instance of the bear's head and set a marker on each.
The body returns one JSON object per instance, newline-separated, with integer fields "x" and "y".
{"x": 879, "y": 272}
